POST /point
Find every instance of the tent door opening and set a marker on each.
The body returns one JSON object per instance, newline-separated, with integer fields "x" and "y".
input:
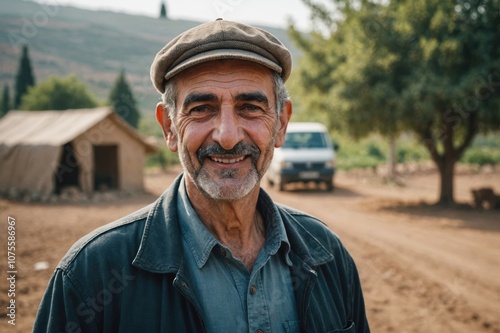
{"x": 68, "y": 170}
{"x": 105, "y": 167}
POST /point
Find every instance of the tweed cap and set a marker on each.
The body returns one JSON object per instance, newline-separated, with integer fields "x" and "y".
{"x": 219, "y": 39}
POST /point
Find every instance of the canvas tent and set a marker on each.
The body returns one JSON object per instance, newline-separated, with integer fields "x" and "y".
{"x": 41, "y": 152}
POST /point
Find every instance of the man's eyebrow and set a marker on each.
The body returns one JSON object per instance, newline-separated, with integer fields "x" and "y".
{"x": 252, "y": 97}
{"x": 194, "y": 98}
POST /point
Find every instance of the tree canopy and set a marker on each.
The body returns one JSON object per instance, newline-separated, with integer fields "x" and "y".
{"x": 24, "y": 77}
{"x": 58, "y": 94}
{"x": 431, "y": 67}
{"x": 123, "y": 101}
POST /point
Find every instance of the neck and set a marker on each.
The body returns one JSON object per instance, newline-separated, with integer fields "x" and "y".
{"x": 236, "y": 224}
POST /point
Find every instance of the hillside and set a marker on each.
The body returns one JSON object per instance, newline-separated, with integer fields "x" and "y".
{"x": 93, "y": 45}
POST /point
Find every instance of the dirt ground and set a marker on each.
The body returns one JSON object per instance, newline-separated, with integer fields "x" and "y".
{"x": 423, "y": 268}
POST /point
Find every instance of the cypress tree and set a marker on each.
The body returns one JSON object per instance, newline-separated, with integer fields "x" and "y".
{"x": 5, "y": 106}
{"x": 123, "y": 101}
{"x": 24, "y": 77}
{"x": 163, "y": 11}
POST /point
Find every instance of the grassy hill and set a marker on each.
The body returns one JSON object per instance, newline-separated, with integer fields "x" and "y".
{"x": 93, "y": 45}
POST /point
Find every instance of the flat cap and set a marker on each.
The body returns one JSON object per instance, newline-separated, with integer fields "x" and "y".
{"x": 219, "y": 39}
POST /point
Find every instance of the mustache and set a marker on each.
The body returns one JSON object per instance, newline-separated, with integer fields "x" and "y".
{"x": 241, "y": 148}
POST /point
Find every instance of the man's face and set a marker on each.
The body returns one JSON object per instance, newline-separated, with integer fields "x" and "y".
{"x": 226, "y": 126}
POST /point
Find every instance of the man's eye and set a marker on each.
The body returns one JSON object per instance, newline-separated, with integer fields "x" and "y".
{"x": 250, "y": 108}
{"x": 200, "y": 109}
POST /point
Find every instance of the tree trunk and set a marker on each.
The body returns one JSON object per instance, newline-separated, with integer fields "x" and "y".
{"x": 446, "y": 172}
{"x": 445, "y": 135}
{"x": 391, "y": 162}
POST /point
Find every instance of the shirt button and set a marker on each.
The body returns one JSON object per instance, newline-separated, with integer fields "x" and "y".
{"x": 223, "y": 252}
{"x": 253, "y": 290}
{"x": 259, "y": 331}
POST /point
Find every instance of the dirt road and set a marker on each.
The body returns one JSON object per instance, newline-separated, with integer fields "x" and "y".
{"x": 423, "y": 268}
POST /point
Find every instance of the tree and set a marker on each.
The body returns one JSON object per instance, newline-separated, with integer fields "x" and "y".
{"x": 24, "y": 77}
{"x": 5, "y": 105}
{"x": 163, "y": 11}
{"x": 427, "y": 66}
{"x": 123, "y": 101}
{"x": 58, "y": 94}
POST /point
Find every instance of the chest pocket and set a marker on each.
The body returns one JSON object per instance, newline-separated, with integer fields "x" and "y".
{"x": 349, "y": 329}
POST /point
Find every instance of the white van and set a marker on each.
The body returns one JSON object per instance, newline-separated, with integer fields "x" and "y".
{"x": 306, "y": 156}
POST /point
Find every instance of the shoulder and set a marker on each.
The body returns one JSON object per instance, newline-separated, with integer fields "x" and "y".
{"x": 312, "y": 239}
{"x": 116, "y": 240}
{"x": 306, "y": 223}
{"x": 300, "y": 215}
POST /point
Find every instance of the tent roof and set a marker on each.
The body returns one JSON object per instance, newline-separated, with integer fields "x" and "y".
{"x": 56, "y": 128}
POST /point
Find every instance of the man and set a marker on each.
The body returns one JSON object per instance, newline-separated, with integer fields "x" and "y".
{"x": 213, "y": 253}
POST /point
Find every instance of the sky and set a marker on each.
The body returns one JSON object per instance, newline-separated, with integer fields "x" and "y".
{"x": 274, "y": 13}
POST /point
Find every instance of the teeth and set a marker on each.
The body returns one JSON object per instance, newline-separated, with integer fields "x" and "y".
{"x": 228, "y": 161}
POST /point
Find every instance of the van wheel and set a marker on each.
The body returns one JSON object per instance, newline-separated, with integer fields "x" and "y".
{"x": 329, "y": 186}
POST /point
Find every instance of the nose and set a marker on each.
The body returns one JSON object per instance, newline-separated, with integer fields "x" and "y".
{"x": 227, "y": 130}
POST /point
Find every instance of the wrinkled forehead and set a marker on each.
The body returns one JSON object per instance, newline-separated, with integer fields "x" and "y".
{"x": 226, "y": 78}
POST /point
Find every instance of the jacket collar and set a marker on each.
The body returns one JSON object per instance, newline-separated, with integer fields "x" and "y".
{"x": 160, "y": 250}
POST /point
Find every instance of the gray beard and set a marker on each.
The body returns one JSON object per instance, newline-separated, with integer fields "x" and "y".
{"x": 227, "y": 188}
{"x": 230, "y": 192}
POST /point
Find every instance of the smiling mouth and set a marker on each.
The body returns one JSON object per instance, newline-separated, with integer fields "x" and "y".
{"x": 226, "y": 160}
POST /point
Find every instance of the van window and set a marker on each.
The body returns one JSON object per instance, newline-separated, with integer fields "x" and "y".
{"x": 296, "y": 140}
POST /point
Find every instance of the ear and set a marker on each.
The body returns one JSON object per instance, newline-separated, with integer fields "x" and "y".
{"x": 169, "y": 133}
{"x": 284, "y": 118}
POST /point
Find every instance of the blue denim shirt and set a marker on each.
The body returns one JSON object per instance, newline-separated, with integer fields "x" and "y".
{"x": 262, "y": 299}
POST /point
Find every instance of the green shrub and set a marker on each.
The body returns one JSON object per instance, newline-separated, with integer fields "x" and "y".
{"x": 148, "y": 126}
{"x": 411, "y": 152}
{"x": 163, "y": 159}
{"x": 358, "y": 162}
{"x": 360, "y": 154}
{"x": 374, "y": 151}
{"x": 58, "y": 94}
{"x": 481, "y": 156}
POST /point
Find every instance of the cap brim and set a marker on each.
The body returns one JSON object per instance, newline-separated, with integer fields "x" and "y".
{"x": 222, "y": 54}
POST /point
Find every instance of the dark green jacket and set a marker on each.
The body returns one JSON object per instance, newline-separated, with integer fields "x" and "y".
{"x": 129, "y": 276}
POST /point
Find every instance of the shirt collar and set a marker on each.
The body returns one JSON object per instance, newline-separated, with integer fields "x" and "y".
{"x": 201, "y": 242}
{"x": 276, "y": 237}
{"x": 196, "y": 235}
